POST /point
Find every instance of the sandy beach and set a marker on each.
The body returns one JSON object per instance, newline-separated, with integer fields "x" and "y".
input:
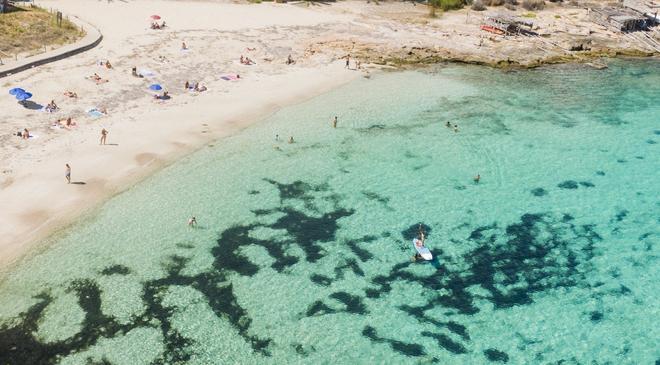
{"x": 144, "y": 135}
{"x": 147, "y": 134}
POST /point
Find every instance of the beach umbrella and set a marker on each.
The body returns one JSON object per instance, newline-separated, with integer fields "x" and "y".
{"x": 155, "y": 17}
{"x": 16, "y": 91}
{"x": 23, "y": 96}
{"x": 155, "y": 87}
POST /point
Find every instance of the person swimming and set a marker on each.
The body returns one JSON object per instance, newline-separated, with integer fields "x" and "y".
{"x": 476, "y": 179}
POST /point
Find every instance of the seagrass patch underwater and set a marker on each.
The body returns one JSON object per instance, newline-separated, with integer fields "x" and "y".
{"x": 303, "y": 251}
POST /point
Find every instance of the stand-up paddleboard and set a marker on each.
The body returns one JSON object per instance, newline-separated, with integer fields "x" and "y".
{"x": 422, "y": 250}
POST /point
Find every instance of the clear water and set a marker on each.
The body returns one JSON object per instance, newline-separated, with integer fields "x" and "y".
{"x": 303, "y": 253}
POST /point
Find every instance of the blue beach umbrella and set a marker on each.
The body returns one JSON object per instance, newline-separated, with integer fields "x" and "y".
{"x": 23, "y": 96}
{"x": 16, "y": 91}
{"x": 155, "y": 87}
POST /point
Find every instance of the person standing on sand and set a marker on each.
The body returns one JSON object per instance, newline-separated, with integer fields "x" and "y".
{"x": 67, "y": 174}
{"x": 334, "y": 122}
{"x": 104, "y": 135}
{"x": 348, "y": 61}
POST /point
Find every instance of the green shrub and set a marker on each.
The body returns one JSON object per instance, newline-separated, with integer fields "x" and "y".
{"x": 478, "y": 6}
{"x": 533, "y": 4}
{"x": 446, "y": 5}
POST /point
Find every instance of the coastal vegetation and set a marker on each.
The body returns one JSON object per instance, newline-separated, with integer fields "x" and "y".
{"x": 32, "y": 30}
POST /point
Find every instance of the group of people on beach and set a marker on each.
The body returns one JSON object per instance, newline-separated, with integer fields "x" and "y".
{"x": 246, "y": 60}
{"x": 25, "y": 134}
{"x": 155, "y": 25}
{"x": 51, "y": 107}
{"x": 196, "y": 87}
{"x": 67, "y": 123}
{"x": 358, "y": 64}
{"x": 105, "y": 64}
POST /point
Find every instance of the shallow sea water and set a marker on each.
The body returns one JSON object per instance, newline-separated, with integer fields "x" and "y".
{"x": 303, "y": 253}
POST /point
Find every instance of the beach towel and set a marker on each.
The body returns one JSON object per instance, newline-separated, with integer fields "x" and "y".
{"x": 94, "y": 113}
{"x": 146, "y": 73}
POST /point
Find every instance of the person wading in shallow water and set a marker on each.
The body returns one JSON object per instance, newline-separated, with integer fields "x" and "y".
{"x": 192, "y": 222}
{"x": 334, "y": 122}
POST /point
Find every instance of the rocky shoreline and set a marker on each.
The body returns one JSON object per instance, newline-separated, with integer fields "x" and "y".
{"x": 400, "y": 35}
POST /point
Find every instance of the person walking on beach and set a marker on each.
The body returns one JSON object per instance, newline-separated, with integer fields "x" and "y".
{"x": 67, "y": 174}
{"x": 192, "y": 222}
{"x": 348, "y": 61}
{"x": 334, "y": 122}
{"x": 104, "y": 136}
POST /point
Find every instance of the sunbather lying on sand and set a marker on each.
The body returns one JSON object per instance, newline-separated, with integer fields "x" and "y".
{"x": 97, "y": 79}
{"x": 70, "y": 94}
{"x": 199, "y": 88}
{"x": 165, "y": 96}
{"x": 67, "y": 123}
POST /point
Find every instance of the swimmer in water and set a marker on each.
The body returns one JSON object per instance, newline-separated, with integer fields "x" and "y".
{"x": 291, "y": 139}
{"x": 477, "y": 178}
{"x": 448, "y": 125}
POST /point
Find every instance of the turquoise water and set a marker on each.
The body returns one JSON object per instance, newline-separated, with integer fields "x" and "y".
{"x": 303, "y": 254}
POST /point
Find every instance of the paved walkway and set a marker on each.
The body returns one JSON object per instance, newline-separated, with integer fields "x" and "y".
{"x": 91, "y": 39}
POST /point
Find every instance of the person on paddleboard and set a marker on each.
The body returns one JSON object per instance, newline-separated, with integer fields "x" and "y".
{"x": 419, "y": 243}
